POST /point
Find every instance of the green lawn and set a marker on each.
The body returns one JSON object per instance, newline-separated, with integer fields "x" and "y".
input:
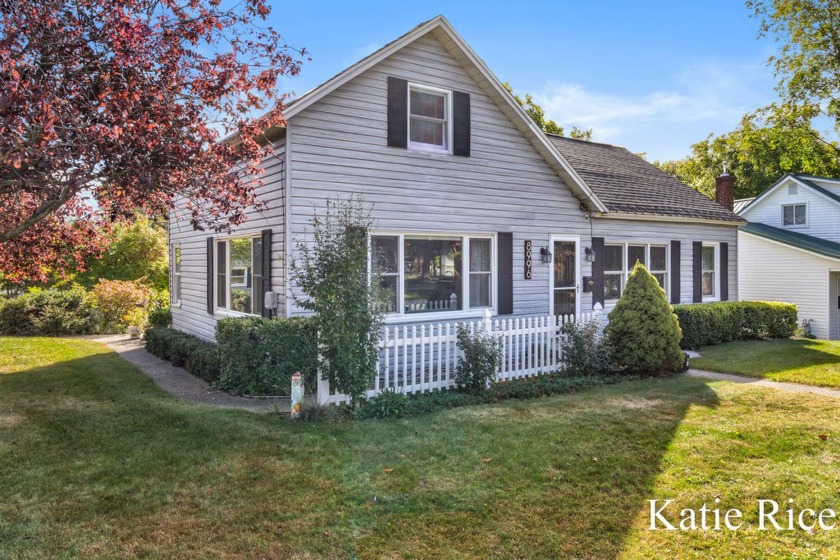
{"x": 97, "y": 462}
{"x": 812, "y": 362}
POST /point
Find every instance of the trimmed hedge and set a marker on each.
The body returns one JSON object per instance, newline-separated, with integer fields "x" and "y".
{"x": 199, "y": 357}
{"x": 259, "y": 356}
{"x": 160, "y": 318}
{"x": 50, "y": 312}
{"x": 704, "y": 324}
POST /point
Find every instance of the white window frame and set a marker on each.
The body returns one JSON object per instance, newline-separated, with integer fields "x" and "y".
{"x": 422, "y": 146}
{"x": 400, "y": 315}
{"x": 227, "y": 310}
{"x": 175, "y": 249}
{"x": 794, "y": 205}
{"x": 716, "y": 295}
{"x": 628, "y": 266}
{"x": 621, "y": 273}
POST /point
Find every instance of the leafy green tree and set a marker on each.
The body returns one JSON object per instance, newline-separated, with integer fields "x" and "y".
{"x": 548, "y": 126}
{"x": 134, "y": 250}
{"x": 644, "y": 333}
{"x": 768, "y": 143}
{"x": 808, "y": 62}
{"x": 331, "y": 271}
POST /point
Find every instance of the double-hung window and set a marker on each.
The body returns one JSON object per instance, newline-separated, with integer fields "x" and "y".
{"x": 435, "y": 273}
{"x": 794, "y": 215}
{"x": 175, "y": 265}
{"x": 428, "y": 118}
{"x": 709, "y": 271}
{"x": 620, "y": 258}
{"x": 239, "y": 275}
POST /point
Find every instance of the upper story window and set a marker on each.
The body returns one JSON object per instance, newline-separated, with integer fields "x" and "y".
{"x": 794, "y": 215}
{"x": 428, "y": 118}
{"x": 429, "y": 274}
{"x": 620, "y": 258}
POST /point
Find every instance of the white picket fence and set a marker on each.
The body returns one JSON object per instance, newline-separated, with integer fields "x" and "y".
{"x": 420, "y": 358}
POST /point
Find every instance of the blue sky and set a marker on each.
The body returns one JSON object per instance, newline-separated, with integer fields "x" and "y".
{"x": 653, "y": 76}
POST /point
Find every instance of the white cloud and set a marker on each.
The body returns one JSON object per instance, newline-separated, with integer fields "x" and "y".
{"x": 664, "y": 122}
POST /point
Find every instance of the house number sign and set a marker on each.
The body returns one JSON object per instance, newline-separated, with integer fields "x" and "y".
{"x": 528, "y": 259}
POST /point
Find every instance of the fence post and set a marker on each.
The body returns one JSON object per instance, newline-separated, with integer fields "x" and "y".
{"x": 596, "y": 311}
{"x": 488, "y": 323}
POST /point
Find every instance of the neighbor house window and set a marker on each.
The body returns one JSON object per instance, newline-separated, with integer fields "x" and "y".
{"x": 430, "y": 274}
{"x": 620, "y": 258}
{"x": 428, "y": 118}
{"x": 175, "y": 259}
{"x": 794, "y": 215}
{"x": 239, "y": 275}
{"x": 709, "y": 271}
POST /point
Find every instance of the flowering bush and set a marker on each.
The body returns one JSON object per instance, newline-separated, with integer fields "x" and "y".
{"x": 121, "y": 302}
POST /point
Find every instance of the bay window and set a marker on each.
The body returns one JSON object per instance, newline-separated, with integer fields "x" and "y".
{"x": 239, "y": 285}
{"x": 434, "y": 273}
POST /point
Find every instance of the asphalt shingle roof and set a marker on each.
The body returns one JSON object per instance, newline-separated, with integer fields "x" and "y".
{"x": 627, "y": 183}
{"x": 795, "y": 239}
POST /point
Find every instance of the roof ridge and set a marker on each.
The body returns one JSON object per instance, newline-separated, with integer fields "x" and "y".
{"x": 554, "y": 135}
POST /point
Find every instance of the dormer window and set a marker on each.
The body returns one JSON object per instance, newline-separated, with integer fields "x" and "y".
{"x": 794, "y": 215}
{"x": 428, "y": 111}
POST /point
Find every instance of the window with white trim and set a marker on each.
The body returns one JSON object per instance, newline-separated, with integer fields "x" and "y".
{"x": 794, "y": 215}
{"x": 709, "y": 271}
{"x": 175, "y": 260}
{"x": 428, "y": 118}
{"x": 239, "y": 275}
{"x": 620, "y": 258}
{"x": 427, "y": 273}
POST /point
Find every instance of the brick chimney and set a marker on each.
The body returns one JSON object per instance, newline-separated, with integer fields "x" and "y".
{"x": 725, "y": 191}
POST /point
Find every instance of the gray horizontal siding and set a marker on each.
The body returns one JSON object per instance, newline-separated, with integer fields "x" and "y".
{"x": 191, "y": 316}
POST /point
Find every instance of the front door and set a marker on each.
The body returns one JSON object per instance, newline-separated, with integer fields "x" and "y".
{"x": 564, "y": 276}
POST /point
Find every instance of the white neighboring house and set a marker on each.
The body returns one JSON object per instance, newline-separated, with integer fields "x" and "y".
{"x": 790, "y": 249}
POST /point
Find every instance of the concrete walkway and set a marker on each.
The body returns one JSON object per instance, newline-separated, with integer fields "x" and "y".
{"x": 779, "y": 385}
{"x": 181, "y": 383}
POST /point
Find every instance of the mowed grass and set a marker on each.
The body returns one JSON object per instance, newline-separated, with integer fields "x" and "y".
{"x": 97, "y": 462}
{"x": 797, "y": 360}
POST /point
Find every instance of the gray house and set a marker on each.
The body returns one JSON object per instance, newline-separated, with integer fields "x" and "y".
{"x": 477, "y": 209}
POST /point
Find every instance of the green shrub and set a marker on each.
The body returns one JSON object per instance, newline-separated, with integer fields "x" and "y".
{"x": 50, "y": 312}
{"x": 259, "y": 356}
{"x": 585, "y": 350}
{"x": 160, "y": 318}
{"x": 705, "y": 324}
{"x": 527, "y": 388}
{"x": 478, "y": 361}
{"x": 643, "y": 331}
{"x": 199, "y": 357}
{"x": 340, "y": 287}
{"x": 387, "y": 404}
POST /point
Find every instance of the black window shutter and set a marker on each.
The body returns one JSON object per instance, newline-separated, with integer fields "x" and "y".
{"x": 505, "y": 282}
{"x": 210, "y": 275}
{"x": 461, "y": 123}
{"x": 697, "y": 271}
{"x": 675, "y": 272}
{"x": 397, "y": 112}
{"x": 724, "y": 272}
{"x": 266, "y": 270}
{"x": 598, "y": 271}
